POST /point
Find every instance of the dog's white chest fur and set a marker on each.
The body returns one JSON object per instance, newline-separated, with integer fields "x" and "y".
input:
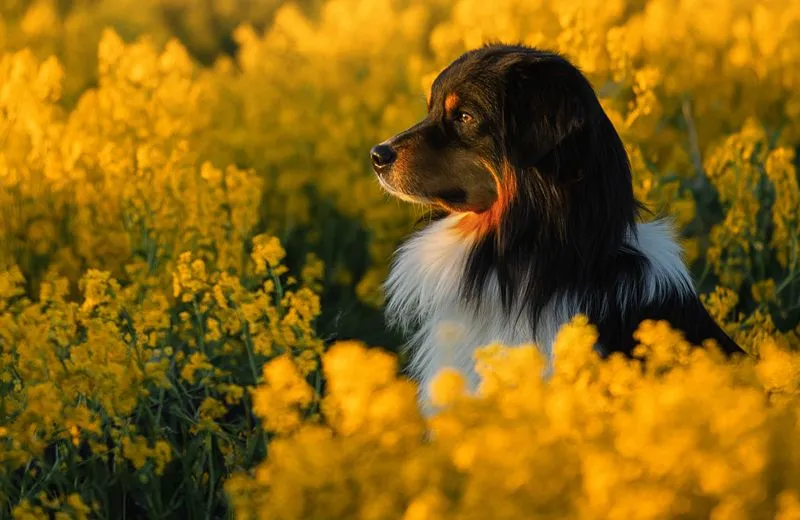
{"x": 424, "y": 299}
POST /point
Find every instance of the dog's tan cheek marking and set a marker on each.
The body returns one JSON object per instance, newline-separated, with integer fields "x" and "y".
{"x": 480, "y": 224}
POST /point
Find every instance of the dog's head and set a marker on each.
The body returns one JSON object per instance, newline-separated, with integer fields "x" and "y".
{"x": 513, "y": 130}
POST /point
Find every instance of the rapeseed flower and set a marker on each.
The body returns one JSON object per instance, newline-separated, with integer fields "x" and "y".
{"x": 176, "y": 223}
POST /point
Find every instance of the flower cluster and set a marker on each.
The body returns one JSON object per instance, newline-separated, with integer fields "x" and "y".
{"x": 674, "y": 432}
{"x": 126, "y": 379}
{"x": 188, "y": 219}
{"x": 137, "y": 300}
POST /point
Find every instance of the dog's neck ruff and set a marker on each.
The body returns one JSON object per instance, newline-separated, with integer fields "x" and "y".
{"x": 425, "y": 298}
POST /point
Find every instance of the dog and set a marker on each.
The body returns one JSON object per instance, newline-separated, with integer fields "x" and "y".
{"x": 535, "y": 219}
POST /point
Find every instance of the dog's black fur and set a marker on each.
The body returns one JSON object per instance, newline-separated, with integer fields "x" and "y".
{"x": 522, "y": 129}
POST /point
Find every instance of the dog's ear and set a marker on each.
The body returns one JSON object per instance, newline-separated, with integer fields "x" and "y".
{"x": 543, "y": 106}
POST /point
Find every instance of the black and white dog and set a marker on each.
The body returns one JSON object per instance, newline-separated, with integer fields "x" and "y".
{"x": 537, "y": 218}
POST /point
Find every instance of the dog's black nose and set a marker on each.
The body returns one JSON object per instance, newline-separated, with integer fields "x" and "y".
{"x": 382, "y": 156}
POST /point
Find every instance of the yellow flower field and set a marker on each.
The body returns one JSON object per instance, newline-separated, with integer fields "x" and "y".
{"x": 193, "y": 246}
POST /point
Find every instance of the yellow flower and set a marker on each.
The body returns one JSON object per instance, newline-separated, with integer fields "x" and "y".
{"x": 98, "y": 289}
{"x": 313, "y": 271}
{"x": 25, "y": 511}
{"x": 781, "y": 171}
{"x": 660, "y": 344}
{"x": 447, "y": 387}
{"x": 429, "y": 506}
{"x": 198, "y": 362}
{"x": 79, "y": 510}
{"x": 267, "y": 253}
{"x": 138, "y": 452}
{"x": 573, "y": 347}
{"x": 282, "y": 396}
{"x": 209, "y": 411}
{"x": 789, "y": 506}
{"x": 764, "y": 291}
{"x": 778, "y": 368}
{"x": 365, "y": 394}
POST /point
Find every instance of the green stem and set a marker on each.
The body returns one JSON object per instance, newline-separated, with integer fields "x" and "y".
{"x": 211, "y": 477}
{"x": 160, "y": 408}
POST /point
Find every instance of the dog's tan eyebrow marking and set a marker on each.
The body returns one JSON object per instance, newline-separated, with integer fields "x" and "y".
{"x": 451, "y": 102}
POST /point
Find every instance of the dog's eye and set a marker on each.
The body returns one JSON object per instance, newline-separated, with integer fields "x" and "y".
{"x": 463, "y": 117}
